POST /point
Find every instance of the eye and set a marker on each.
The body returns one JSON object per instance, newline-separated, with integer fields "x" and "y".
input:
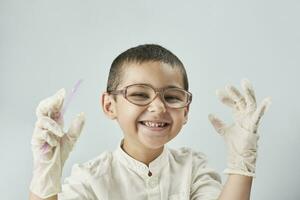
{"x": 139, "y": 95}
{"x": 173, "y": 98}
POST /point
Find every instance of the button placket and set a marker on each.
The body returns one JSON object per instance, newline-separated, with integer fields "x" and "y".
{"x": 153, "y": 188}
{"x": 152, "y": 182}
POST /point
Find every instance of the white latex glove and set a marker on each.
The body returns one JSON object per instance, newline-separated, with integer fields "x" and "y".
{"x": 240, "y": 137}
{"x": 49, "y": 162}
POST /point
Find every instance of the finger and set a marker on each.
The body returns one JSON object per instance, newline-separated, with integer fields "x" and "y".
{"x": 76, "y": 127}
{"x": 49, "y": 138}
{"x": 218, "y": 124}
{"x": 36, "y": 139}
{"x": 49, "y": 124}
{"x": 45, "y": 148}
{"x": 265, "y": 104}
{"x": 249, "y": 95}
{"x": 225, "y": 98}
{"x": 41, "y": 136}
{"x": 236, "y": 96}
{"x": 52, "y": 105}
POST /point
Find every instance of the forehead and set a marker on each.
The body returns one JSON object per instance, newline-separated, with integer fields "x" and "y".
{"x": 157, "y": 74}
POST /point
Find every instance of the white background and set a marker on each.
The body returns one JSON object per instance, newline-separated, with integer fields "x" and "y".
{"x": 47, "y": 45}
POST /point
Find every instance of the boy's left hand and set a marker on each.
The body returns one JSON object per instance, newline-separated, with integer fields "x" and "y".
{"x": 241, "y": 137}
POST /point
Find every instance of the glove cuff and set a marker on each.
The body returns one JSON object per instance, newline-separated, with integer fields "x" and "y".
{"x": 243, "y": 164}
{"x": 46, "y": 180}
{"x": 239, "y": 172}
{"x": 46, "y": 186}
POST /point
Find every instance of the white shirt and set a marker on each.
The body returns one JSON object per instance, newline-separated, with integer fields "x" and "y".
{"x": 176, "y": 174}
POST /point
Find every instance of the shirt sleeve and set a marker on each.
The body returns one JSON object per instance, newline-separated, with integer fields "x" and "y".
{"x": 206, "y": 183}
{"x": 76, "y": 187}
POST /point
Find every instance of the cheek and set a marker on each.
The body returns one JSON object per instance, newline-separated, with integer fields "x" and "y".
{"x": 178, "y": 115}
{"x": 178, "y": 119}
{"x": 127, "y": 118}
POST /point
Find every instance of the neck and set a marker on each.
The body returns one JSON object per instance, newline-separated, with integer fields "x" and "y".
{"x": 141, "y": 153}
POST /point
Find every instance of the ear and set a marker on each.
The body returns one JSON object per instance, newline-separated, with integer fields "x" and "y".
{"x": 186, "y": 112}
{"x": 108, "y": 105}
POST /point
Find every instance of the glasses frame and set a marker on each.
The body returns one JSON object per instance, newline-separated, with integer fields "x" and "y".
{"x": 158, "y": 91}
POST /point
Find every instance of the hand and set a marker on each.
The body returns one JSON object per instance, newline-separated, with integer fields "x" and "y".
{"x": 51, "y": 145}
{"x": 241, "y": 137}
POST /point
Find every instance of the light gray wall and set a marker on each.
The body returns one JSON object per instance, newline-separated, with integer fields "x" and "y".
{"x": 47, "y": 45}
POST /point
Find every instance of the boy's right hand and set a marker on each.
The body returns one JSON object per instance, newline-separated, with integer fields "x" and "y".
{"x": 51, "y": 145}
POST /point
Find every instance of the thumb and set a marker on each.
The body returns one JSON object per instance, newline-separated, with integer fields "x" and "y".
{"x": 76, "y": 126}
{"x": 218, "y": 124}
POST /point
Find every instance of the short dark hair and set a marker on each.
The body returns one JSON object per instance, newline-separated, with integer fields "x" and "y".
{"x": 141, "y": 54}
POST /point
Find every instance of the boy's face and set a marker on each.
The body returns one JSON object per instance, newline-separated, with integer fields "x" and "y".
{"x": 135, "y": 121}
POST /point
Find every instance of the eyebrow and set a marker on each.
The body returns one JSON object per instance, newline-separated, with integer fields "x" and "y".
{"x": 168, "y": 86}
{"x": 172, "y": 86}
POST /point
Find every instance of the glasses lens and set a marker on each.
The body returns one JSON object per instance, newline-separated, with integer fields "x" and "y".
{"x": 143, "y": 95}
{"x": 140, "y": 94}
{"x": 176, "y": 98}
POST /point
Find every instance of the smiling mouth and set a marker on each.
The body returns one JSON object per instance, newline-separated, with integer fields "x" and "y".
{"x": 154, "y": 124}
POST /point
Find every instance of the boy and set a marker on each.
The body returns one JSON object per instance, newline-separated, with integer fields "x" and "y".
{"x": 147, "y": 93}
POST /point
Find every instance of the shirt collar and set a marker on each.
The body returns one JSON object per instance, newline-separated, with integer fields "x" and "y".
{"x": 154, "y": 167}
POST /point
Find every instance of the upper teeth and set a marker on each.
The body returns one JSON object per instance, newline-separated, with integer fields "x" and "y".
{"x": 154, "y": 124}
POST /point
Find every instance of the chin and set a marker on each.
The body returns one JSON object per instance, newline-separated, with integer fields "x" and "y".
{"x": 153, "y": 143}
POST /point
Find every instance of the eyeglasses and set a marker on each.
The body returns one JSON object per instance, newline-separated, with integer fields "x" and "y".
{"x": 144, "y": 94}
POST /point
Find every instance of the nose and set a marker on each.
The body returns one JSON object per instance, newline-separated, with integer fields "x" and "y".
{"x": 157, "y": 105}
